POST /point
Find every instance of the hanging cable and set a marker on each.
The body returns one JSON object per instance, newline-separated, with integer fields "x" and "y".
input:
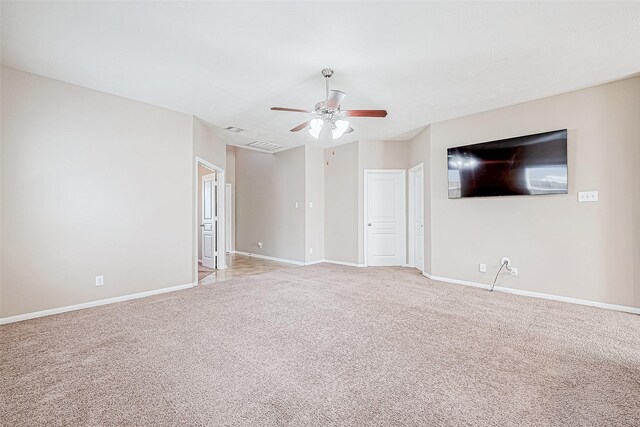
{"x": 504, "y": 264}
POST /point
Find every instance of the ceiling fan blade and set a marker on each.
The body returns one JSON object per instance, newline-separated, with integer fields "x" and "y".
{"x": 295, "y": 110}
{"x": 366, "y": 113}
{"x": 301, "y": 126}
{"x": 348, "y": 130}
{"x": 335, "y": 98}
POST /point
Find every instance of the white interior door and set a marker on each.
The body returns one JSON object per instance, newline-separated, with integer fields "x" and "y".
{"x": 416, "y": 217}
{"x": 209, "y": 218}
{"x": 385, "y": 215}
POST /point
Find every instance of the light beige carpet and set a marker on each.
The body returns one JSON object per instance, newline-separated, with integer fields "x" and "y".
{"x": 325, "y": 345}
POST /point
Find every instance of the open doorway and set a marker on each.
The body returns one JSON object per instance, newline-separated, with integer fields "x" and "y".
{"x": 210, "y": 219}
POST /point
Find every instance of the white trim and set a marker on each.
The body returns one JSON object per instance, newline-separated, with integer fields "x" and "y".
{"x": 289, "y": 261}
{"x": 364, "y": 207}
{"x": 624, "y": 308}
{"x": 35, "y": 314}
{"x": 222, "y": 229}
{"x": 349, "y": 264}
{"x": 270, "y": 258}
{"x": 411, "y": 235}
{"x": 228, "y": 217}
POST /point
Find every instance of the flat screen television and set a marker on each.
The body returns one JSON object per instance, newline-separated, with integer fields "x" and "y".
{"x": 525, "y": 165}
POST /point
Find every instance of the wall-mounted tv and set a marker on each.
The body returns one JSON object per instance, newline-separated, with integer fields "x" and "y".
{"x": 525, "y": 165}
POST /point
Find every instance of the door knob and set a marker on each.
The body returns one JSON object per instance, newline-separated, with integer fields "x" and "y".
{"x": 369, "y": 224}
{"x": 201, "y": 225}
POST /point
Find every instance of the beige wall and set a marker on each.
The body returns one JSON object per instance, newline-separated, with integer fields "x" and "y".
{"x": 92, "y": 184}
{"x": 230, "y": 176}
{"x": 341, "y": 203}
{"x": 267, "y": 188}
{"x": 208, "y": 143}
{"x": 314, "y": 195}
{"x": 562, "y": 247}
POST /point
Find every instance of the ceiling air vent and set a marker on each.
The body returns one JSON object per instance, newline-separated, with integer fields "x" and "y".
{"x": 266, "y": 146}
{"x": 233, "y": 129}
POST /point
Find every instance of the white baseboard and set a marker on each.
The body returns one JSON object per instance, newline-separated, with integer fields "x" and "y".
{"x": 270, "y": 258}
{"x": 289, "y": 261}
{"x": 626, "y": 309}
{"x": 349, "y": 264}
{"x": 97, "y": 303}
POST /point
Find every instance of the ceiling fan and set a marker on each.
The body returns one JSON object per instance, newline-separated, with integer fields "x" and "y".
{"x": 329, "y": 112}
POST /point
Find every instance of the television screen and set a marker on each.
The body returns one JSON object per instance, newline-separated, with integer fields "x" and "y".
{"x": 526, "y": 165}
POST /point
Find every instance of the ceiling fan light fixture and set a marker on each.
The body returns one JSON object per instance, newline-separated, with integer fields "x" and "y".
{"x": 340, "y": 127}
{"x": 329, "y": 111}
{"x": 316, "y": 127}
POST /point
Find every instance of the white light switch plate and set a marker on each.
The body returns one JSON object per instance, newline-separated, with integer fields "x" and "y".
{"x": 483, "y": 268}
{"x": 588, "y": 196}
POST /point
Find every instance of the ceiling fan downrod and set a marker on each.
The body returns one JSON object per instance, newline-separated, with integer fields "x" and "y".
{"x": 327, "y": 73}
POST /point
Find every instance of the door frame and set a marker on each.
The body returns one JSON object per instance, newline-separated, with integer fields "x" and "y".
{"x": 365, "y": 197}
{"x": 220, "y": 202}
{"x": 228, "y": 217}
{"x": 411, "y": 237}
{"x": 215, "y": 218}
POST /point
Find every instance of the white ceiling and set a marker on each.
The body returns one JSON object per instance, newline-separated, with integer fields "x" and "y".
{"x": 228, "y": 63}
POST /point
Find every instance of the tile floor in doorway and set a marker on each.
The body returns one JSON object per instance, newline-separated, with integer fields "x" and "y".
{"x": 239, "y": 266}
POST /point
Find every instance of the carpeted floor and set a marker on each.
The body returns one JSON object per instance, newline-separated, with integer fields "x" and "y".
{"x": 324, "y": 345}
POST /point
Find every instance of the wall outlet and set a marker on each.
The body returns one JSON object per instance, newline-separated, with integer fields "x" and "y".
{"x": 260, "y": 244}
{"x": 588, "y": 196}
{"x": 483, "y": 268}
{"x": 296, "y": 205}
{"x": 310, "y": 250}
{"x": 310, "y": 204}
{"x": 99, "y": 280}
{"x": 506, "y": 259}
{"x": 514, "y": 272}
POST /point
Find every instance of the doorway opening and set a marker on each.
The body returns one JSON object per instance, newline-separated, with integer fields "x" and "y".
{"x": 210, "y": 219}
